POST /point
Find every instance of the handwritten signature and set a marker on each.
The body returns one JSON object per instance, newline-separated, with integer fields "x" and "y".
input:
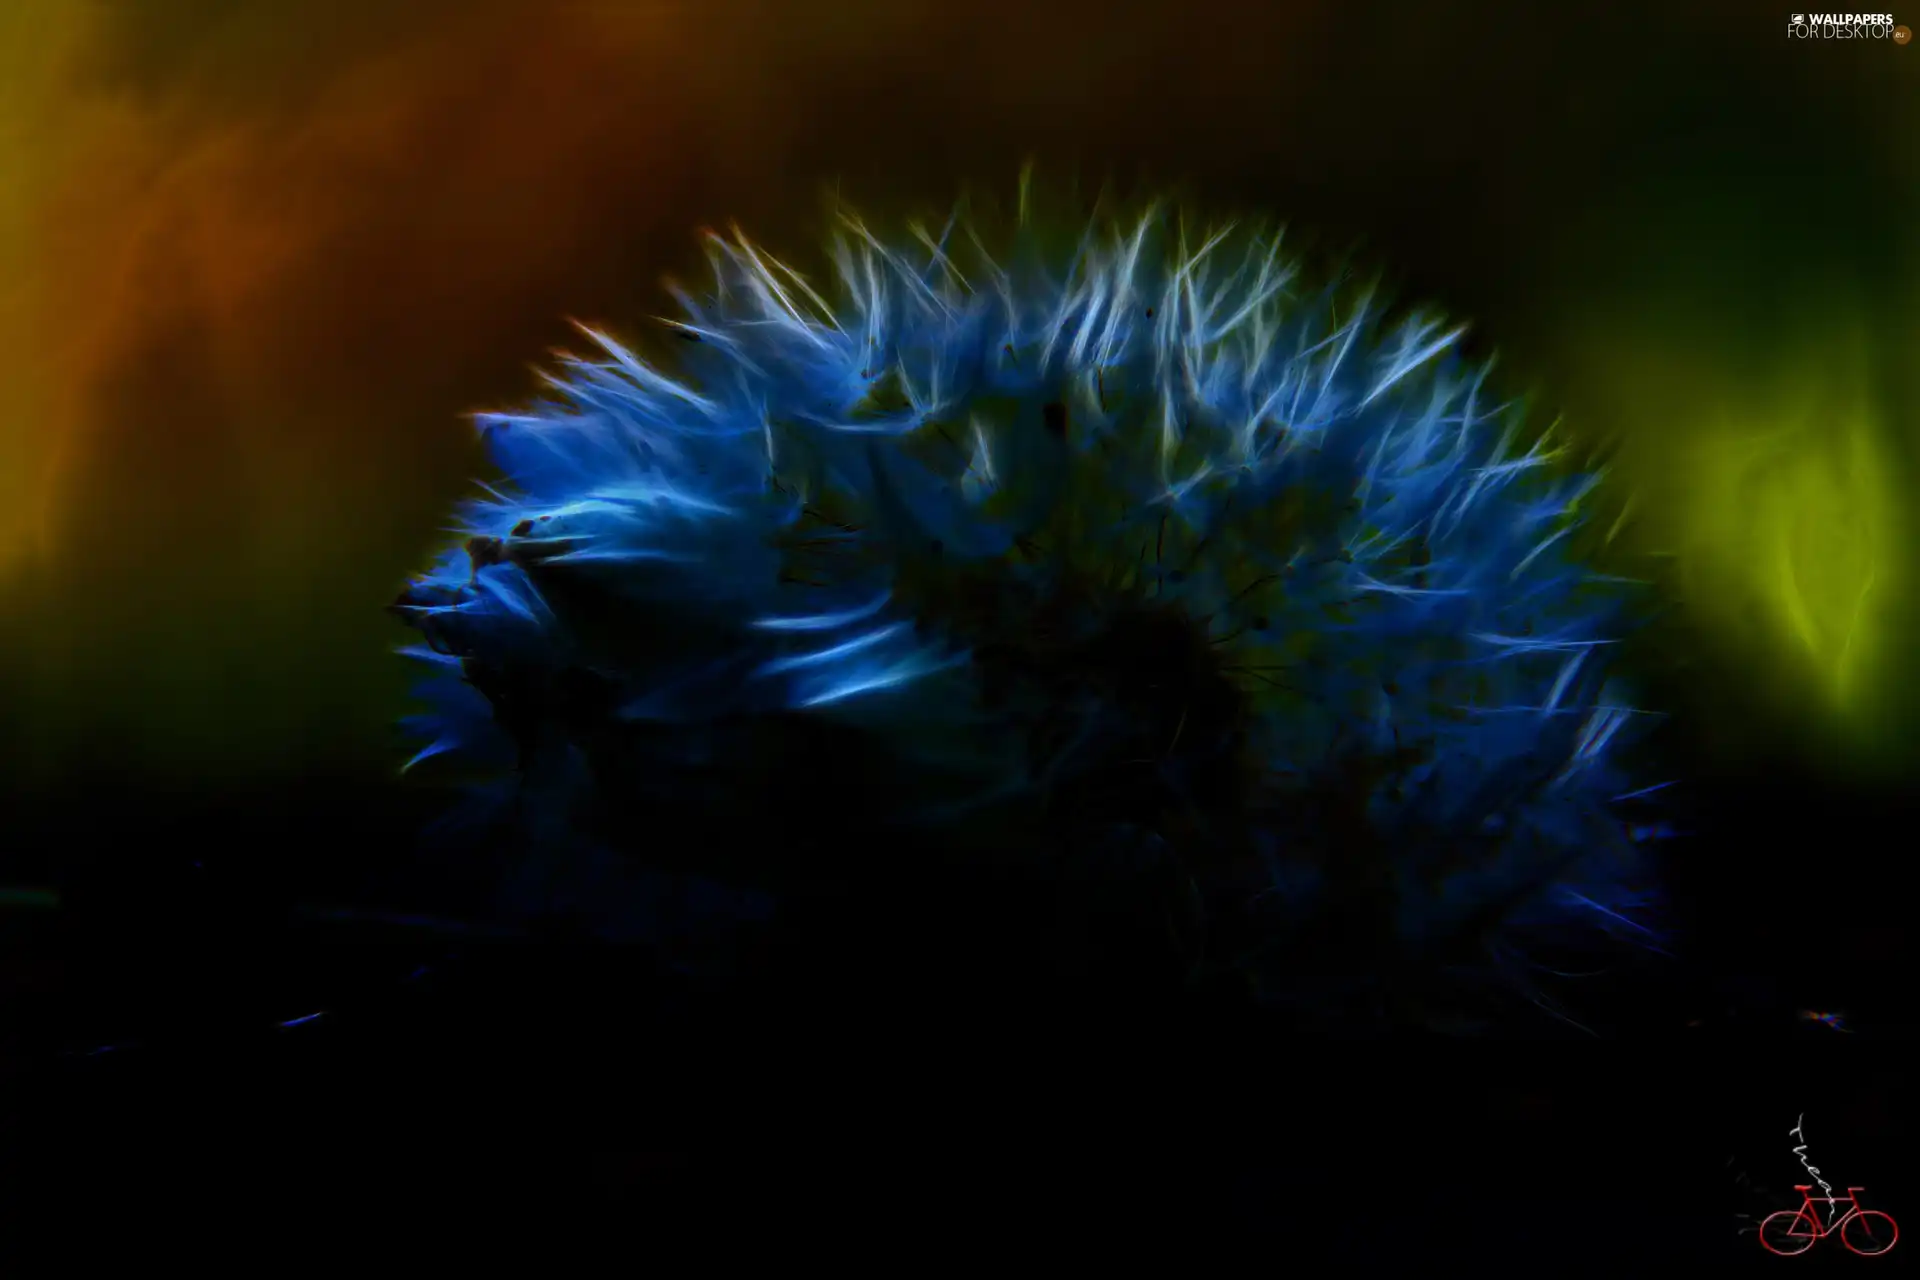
{"x": 1826, "y": 1188}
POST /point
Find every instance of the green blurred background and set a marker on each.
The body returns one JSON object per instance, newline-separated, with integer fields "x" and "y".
{"x": 256, "y": 260}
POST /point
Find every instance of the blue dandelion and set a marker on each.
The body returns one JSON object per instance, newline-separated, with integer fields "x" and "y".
{"x": 1135, "y": 553}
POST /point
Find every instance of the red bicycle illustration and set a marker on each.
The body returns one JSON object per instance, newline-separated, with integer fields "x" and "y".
{"x": 1867, "y": 1232}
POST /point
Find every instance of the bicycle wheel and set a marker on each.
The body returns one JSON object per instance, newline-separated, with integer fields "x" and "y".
{"x": 1876, "y": 1232}
{"x": 1788, "y": 1232}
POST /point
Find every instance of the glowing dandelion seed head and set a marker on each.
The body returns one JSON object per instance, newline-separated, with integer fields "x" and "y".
{"x": 1150, "y": 546}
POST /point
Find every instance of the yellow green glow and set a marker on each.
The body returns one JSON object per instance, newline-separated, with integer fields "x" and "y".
{"x": 1791, "y": 532}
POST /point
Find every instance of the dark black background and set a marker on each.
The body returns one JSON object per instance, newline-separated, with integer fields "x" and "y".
{"x": 525, "y": 1083}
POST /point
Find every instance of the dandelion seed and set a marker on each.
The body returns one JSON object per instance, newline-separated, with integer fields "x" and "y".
{"x": 1130, "y": 479}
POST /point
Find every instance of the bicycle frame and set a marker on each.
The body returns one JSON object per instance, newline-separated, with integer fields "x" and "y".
{"x": 1821, "y": 1230}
